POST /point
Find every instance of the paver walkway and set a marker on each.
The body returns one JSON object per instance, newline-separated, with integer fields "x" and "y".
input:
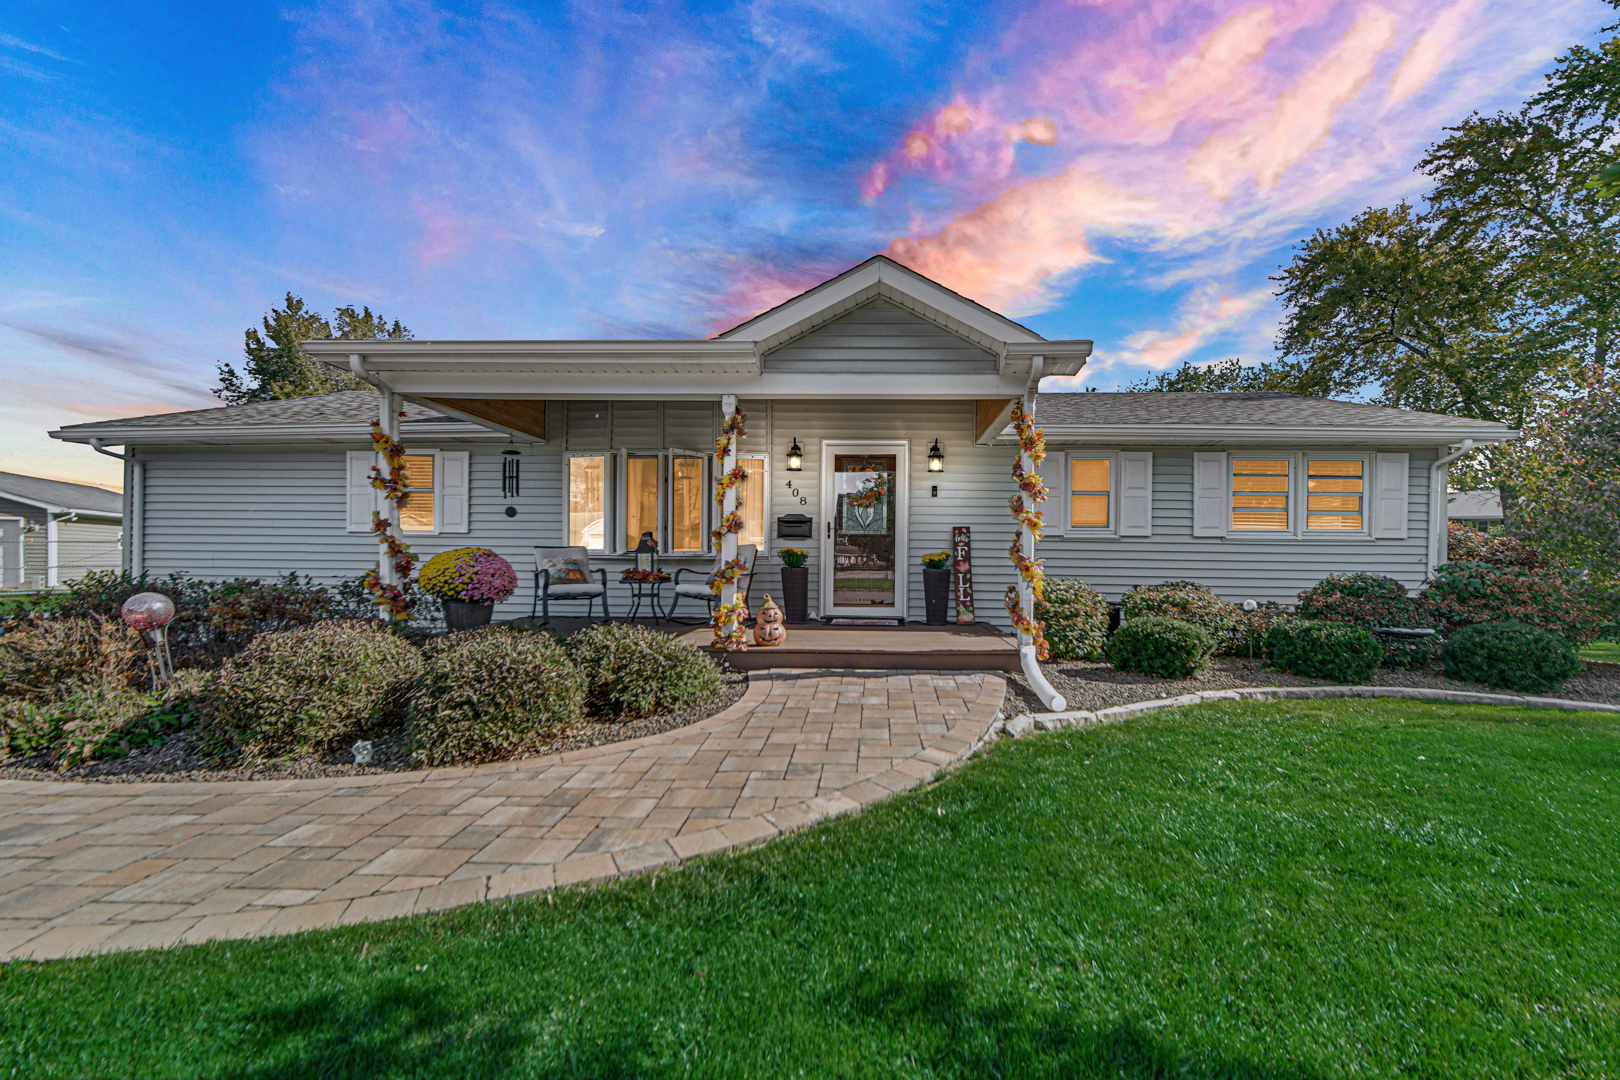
{"x": 99, "y": 867}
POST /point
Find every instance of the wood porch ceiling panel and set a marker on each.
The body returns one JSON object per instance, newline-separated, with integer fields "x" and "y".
{"x": 990, "y": 415}
{"x": 526, "y": 416}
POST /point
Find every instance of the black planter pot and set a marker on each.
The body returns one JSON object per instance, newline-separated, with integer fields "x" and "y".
{"x": 936, "y": 594}
{"x": 796, "y": 593}
{"x": 467, "y": 615}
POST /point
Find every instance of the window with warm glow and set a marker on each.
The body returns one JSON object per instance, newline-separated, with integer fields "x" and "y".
{"x": 1260, "y": 494}
{"x": 1333, "y": 494}
{"x": 416, "y": 508}
{"x": 1089, "y": 485}
{"x": 587, "y": 507}
{"x": 641, "y": 499}
{"x": 751, "y": 502}
{"x": 687, "y": 492}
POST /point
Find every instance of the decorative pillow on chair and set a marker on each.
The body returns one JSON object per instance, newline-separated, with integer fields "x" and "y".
{"x": 565, "y": 571}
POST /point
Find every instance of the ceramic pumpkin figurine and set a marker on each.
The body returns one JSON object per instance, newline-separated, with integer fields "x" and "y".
{"x": 771, "y": 627}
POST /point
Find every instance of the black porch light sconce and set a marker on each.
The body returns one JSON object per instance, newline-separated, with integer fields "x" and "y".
{"x": 936, "y": 458}
{"x": 795, "y": 457}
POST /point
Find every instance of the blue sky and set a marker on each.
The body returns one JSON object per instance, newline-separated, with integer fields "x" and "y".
{"x": 1129, "y": 172}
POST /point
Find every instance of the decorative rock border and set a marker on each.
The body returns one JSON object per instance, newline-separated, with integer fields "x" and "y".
{"x": 1024, "y": 723}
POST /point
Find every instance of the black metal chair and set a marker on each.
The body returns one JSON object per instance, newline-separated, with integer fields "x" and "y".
{"x": 563, "y": 574}
{"x": 699, "y": 590}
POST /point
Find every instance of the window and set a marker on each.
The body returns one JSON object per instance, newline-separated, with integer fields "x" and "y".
{"x": 1333, "y": 494}
{"x": 416, "y": 508}
{"x": 751, "y": 502}
{"x": 1090, "y": 481}
{"x": 1259, "y": 494}
{"x": 587, "y": 505}
{"x": 687, "y": 493}
{"x": 641, "y": 499}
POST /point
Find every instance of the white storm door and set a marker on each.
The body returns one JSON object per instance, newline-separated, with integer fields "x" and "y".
{"x": 863, "y": 534}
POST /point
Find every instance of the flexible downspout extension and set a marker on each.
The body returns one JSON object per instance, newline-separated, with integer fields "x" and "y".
{"x": 1437, "y": 503}
{"x": 1028, "y": 659}
{"x": 134, "y": 527}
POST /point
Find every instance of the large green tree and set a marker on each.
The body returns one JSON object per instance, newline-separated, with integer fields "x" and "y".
{"x": 276, "y": 365}
{"x": 1223, "y": 376}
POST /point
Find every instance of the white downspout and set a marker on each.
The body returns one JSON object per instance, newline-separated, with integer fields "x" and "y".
{"x": 1437, "y": 505}
{"x": 1027, "y": 655}
{"x": 134, "y": 528}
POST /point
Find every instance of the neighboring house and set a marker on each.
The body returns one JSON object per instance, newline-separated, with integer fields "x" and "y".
{"x": 1257, "y": 495}
{"x": 1481, "y": 508}
{"x": 52, "y": 531}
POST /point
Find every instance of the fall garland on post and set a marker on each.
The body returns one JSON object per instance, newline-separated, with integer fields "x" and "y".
{"x": 396, "y": 598}
{"x": 1031, "y": 441}
{"x": 727, "y": 619}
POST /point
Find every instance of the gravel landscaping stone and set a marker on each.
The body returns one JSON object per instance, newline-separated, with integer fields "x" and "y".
{"x": 1089, "y": 685}
{"x": 178, "y": 759}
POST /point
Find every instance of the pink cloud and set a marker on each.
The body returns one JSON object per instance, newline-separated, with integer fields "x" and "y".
{"x": 446, "y": 232}
{"x": 756, "y": 288}
{"x": 1205, "y": 317}
{"x": 1424, "y": 59}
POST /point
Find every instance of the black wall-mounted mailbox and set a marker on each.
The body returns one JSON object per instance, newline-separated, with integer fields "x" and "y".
{"x": 793, "y": 527}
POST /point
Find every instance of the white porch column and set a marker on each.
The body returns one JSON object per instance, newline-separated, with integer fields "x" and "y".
{"x": 50, "y": 550}
{"x": 728, "y": 505}
{"x": 389, "y": 419}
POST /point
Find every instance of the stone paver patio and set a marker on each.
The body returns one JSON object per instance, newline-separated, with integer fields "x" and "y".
{"x": 99, "y": 867}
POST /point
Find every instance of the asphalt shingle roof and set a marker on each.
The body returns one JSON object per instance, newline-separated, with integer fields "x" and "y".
{"x": 1250, "y": 409}
{"x": 344, "y": 407}
{"x": 61, "y": 493}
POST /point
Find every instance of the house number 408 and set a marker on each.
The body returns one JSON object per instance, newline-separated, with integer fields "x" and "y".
{"x": 795, "y": 491}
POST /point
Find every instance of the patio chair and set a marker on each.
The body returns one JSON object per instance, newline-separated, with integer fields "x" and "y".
{"x": 699, "y": 590}
{"x": 564, "y": 574}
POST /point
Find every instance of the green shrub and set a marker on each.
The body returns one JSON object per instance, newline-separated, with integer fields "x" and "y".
{"x": 1324, "y": 650}
{"x": 1156, "y": 645}
{"x": 1248, "y": 637}
{"x": 1076, "y": 618}
{"x": 1553, "y": 598}
{"x": 307, "y": 690}
{"x": 1464, "y": 543}
{"x": 107, "y": 721}
{"x": 632, "y": 671}
{"x": 1187, "y": 601}
{"x": 490, "y": 693}
{"x": 49, "y": 659}
{"x": 1365, "y": 600}
{"x": 1511, "y": 655}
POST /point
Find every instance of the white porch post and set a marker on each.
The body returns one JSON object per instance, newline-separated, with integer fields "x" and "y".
{"x": 1028, "y": 654}
{"x": 728, "y": 540}
{"x": 51, "y": 563}
{"x": 389, "y": 420}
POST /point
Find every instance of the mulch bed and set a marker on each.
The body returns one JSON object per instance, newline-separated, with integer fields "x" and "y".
{"x": 178, "y": 758}
{"x": 1092, "y": 685}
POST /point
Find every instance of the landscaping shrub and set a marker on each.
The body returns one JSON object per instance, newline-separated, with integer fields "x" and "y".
{"x": 1076, "y": 618}
{"x": 1187, "y": 601}
{"x": 1157, "y": 645}
{"x": 91, "y": 722}
{"x": 1248, "y": 637}
{"x": 307, "y": 690}
{"x": 1324, "y": 650}
{"x": 1373, "y": 600}
{"x": 1464, "y": 593}
{"x": 490, "y": 693}
{"x": 632, "y": 671}
{"x": 1511, "y": 655}
{"x": 47, "y": 659}
{"x": 1465, "y": 543}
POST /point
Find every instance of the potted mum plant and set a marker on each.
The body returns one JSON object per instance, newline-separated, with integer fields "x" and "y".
{"x": 795, "y": 584}
{"x": 470, "y": 581}
{"x": 936, "y": 586}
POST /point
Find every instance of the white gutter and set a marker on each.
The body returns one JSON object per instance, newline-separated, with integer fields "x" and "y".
{"x": 1437, "y": 503}
{"x": 1268, "y": 434}
{"x": 135, "y": 485}
{"x": 1028, "y": 658}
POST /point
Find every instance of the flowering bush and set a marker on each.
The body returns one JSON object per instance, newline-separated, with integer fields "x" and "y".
{"x": 475, "y": 575}
{"x": 1076, "y": 618}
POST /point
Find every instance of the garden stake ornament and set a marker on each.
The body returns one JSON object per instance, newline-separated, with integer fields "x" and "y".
{"x": 732, "y": 611}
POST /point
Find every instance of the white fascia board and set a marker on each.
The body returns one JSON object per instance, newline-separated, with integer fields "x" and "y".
{"x": 230, "y": 434}
{"x": 899, "y": 385}
{"x": 1059, "y": 357}
{"x": 1222, "y": 434}
{"x": 540, "y": 356}
{"x": 879, "y": 277}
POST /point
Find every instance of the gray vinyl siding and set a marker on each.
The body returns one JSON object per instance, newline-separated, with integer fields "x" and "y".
{"x": 34, "y": 553}
{"x": 880, "y": 335}
{"x": 258, "y": 511}
{"x": 1237, "y": 568}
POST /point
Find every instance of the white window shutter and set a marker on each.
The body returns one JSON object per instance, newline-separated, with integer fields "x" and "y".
{"x": 1390, "y": 479}
{"x": 1210, "y": 481}
{"x": 453, "y": 491}
{"x": 362, "y": 497}
{"x": 1055, "y": 475}
{"x": 1136, "y": 493}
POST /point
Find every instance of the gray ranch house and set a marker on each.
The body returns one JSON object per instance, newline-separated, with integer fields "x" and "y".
{"x": 878, "y": 372}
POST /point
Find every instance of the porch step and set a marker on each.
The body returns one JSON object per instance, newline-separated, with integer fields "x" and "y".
{"x": 922, "y": 649}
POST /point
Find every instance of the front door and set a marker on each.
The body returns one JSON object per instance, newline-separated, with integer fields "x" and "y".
{"x": 863, "y": 569}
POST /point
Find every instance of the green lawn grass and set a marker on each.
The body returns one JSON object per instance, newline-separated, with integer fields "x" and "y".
{"x": 1285, "y": 890}
{"x": 1602, "y": 650}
